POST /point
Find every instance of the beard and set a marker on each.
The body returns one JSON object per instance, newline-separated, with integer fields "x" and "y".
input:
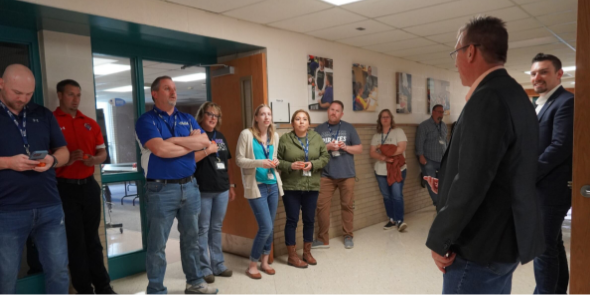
{"x": 171, "y": 102}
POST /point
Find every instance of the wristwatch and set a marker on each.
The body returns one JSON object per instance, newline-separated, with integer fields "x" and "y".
{"x": 232, "y": 185}
{"x": 54, "y": 161}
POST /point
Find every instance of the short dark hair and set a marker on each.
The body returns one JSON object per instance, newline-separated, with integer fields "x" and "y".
{"x": 156, "y": 84}
{"x": 554, "y": 60}
{"x": 436, "y": 106}
{"x": 329, "y": 78}
{"x": 62, "y": 85}
{"x": 338, "y": 102}
{"x": 489, "y": 33}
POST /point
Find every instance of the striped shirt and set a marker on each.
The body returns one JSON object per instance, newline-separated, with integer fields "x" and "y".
{"x": 428, "y": 140}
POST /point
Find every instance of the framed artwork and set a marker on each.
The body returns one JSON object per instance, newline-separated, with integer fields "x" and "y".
{"x": 403, "y": 97}
{"x": 320, "y": 82}
{"x": 438, "y": 92}
{"x": 365, "y": 88}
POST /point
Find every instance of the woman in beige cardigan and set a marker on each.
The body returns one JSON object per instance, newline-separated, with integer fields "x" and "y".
{"x": 256, "y": 155}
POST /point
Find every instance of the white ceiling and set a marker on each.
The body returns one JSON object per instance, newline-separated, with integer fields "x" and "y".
{"x": 188, "y": 93}
{"x": 423, "y": 31}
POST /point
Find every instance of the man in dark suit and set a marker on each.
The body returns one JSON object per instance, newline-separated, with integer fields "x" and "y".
{"x": 555, "y": 109}
{"x": 488, "y": 216}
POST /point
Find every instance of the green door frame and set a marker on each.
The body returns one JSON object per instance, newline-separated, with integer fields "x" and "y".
{"x": 134, "y": 262}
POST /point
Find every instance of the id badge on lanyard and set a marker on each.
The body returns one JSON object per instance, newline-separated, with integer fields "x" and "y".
{"x": 219, "y": 164}
{"x": 335, "y": 153}
{"x": 306, "y": 152}
{"x": 266, "y": 150}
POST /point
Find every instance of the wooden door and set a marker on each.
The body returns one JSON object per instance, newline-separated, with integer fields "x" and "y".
{"x": 239, "y": 226}
{"x": 580, "y": 241}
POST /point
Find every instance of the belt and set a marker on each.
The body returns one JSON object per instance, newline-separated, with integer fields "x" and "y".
{"x": 165, "y": 181}
{"x": 74, "y": 181}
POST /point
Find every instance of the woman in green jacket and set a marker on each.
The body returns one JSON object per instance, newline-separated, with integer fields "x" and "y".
{"x": 302, "y": 155}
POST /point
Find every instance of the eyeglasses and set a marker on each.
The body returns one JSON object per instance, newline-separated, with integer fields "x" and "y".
{"x": 212, "y": 115}
{"x": 453, "y": 54}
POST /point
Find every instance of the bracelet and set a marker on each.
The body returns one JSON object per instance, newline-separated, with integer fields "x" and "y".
{"x": 205, "y": 150}
{"x": 54, "y": 161}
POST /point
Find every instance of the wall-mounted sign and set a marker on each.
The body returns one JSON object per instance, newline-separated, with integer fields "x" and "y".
{"x": 117, "y": 102}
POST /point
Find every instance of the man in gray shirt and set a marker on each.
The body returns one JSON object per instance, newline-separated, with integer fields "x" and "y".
{"x": 431, "y": 144}
{"x": 342, "y": 142}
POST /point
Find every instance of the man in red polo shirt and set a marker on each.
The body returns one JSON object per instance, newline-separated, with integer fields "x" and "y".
{"x": 80, "y": 193}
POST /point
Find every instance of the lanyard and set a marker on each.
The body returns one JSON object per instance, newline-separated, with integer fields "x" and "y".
{"x": 213, "y": 139}
{"x": 305, "y": 148}
{"x": 23, "y": 128}
{"x": 267, "y": 149}
{"x": 337, "y": 132}
{"x": 384, "y": 139}
{"x": 165, "y": 121}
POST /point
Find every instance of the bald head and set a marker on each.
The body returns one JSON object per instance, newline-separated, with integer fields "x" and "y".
{"x": 17, "y": 87}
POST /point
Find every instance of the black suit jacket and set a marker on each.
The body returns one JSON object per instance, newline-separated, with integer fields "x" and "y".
{"x": 556, "y": 140}
{"x": 488, "y": 209}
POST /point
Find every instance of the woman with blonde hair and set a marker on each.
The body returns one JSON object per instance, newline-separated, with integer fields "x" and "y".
{"x": 213, "y": 175}
{"x": 388, "y": 147}
{"x": 256, "y": 155}
{"x": 302, "y": 157}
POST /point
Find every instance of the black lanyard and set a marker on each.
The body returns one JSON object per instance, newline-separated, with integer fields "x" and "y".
{"x": 337, "y": 132}
{"x": 305, "y": 148}
{"x": 384, "y": 139}
{"x": 22, "y": 128}
{"x": 213, "y": 139}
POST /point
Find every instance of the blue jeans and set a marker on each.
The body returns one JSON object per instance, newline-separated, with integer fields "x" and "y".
{"x": 47, "y": 228}
{"x": 213, "y": 208}
{"x": 393, "y": 197}
{"x": 430, "y": 169}
{"x": 296, "y": 201}
{"x": 164, "y": 203}
{"x": 551, "y": 270}
{"x": 466, "y": 277}
{"x": 265, "y": 211}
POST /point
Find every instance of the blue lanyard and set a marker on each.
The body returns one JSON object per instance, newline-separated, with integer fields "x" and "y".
{"x": 23, "y": 128}
{"x": 165, "y": 121}
{"x": 337, "y": 132}
{"x": 384, "y": 139}
{"x": 267, "y": 149}
{"x": 305, "y": 148}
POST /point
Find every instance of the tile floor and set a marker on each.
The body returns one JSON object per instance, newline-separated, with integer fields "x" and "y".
{"x": 381, "y": 262}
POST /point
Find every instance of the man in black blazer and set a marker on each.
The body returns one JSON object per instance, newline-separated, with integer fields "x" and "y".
{"x": 488, "y": 216}
{"x": 555, "y": 110}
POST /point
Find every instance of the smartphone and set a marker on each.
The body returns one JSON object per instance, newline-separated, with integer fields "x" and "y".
{"x": 38, "y": 155}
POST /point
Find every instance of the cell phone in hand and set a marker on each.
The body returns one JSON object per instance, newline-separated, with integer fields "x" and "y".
{"x": 38, "y": 155}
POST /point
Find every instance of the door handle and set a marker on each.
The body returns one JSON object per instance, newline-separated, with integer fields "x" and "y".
{"x": 585, "y": 191}
{"x": 569, "y": 184}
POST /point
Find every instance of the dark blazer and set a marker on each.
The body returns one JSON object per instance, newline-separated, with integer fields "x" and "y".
{"x": 556, "y": 140}
{"x": 488, "y": 208}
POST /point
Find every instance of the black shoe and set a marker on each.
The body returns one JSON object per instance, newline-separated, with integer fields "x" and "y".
{"x": 389, "y": 225}
{"x": 209, "y": 279}
{"x": 105, "y": 290}
{"x": 401, "y": 226}
{"x": 226, "y": 273}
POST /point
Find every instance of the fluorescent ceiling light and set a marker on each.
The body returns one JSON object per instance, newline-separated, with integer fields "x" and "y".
{"x": 573, "y": 83}
{"x": 191, "y": 77}
{"x": 127, "y": 88}
{"x": 97, "y": 61}
{"x": 565, "y": 69}
{"x": 340, "y": 2}
{"x": 107, "y": 69}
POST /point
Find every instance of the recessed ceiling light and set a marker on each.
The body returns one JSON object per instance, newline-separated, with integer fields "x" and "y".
{"x": 360, "y": 29}
{"x": 107, "y": 69}
{"x": 189, "y": 78}
{"x": 127, "y": 88}
{"x": 340, "y": 2}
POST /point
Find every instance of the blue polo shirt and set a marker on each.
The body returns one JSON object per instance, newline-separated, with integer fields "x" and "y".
{"x": 29, "y": 189}
{"x": 158, "y": 124}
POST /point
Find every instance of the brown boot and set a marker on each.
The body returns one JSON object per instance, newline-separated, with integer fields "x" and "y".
{"x": 294, "y": 259}
{"x": 307, "y": 254}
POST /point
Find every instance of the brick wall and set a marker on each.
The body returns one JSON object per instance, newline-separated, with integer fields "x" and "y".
{"x": 369, "y": 209}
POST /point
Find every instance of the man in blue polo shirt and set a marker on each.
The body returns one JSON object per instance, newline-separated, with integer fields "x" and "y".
{"x": 168, "y": 140}
{"x": 29, "y": 201}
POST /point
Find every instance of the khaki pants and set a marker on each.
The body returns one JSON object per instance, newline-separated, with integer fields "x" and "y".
{"x": 327, "y": 188}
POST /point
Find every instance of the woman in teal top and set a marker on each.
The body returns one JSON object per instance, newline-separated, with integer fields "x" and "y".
{"x": 261, "y": 152}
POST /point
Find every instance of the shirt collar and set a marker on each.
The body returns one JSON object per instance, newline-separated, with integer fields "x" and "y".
{"x": 543, "y": 98}
{"x": 163, "y": 113}
{"x": 479, "y": 79}
{"x": 59, "y": 112}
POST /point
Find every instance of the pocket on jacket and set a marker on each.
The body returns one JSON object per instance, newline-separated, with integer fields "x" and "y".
{"x": 248, "y": 171}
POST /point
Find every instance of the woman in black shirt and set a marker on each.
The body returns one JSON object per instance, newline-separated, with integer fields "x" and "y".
{"x": 213, "y": 175}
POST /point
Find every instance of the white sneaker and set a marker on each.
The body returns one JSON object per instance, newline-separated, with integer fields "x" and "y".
{"x": 201, "y": 288}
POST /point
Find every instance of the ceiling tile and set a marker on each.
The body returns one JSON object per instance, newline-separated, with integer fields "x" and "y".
{"x": 551, "y": 6}
{"x": 217, "y": 6}
{"x": 276, "y": 10}
{"x": 441, "y": 27}
{"x": 319, "y": 20}
{"x": 520, "y": 2}
{"x": 522, "y": 24}
{"x": 558, "y": 18}
{"x": 528, "y": 34}
{"x": 430, "y": 56}
{"x": 393, "y": 46}
{"x": 379, "y": 8}
{"x": 350, "y": 30}
{"x": 443, "y": 11}
{"x": 443, "y": 38}
{"x": 533, "y": 42}
{"x": 564, "y": 28}
{"x": 378, "y": 38}
{"x": 420, "y": 50}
